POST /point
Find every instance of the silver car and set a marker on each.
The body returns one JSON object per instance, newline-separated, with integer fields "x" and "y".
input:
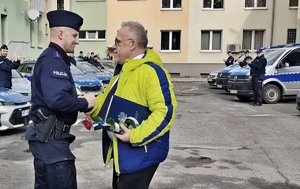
{"x": 20, "y": 84}
{"x": 14, "y": 109}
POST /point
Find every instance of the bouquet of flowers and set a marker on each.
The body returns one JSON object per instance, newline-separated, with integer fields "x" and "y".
{"x": 109, "y": 124}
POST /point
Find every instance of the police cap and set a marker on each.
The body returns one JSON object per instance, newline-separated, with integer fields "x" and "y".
{"x": 64, "y": 18}
{"x": 4, "y": 47}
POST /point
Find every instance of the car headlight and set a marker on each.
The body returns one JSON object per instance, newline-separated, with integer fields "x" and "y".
{"x": 248, "y": 77}
{"x": 5, "y": 103}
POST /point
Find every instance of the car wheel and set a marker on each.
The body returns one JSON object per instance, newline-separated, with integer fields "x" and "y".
{"x": 243, "y": 98}
{"x": 271, "y": 94}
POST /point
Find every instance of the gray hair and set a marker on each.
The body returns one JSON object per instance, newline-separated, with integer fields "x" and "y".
{"x": 137, "y": 32}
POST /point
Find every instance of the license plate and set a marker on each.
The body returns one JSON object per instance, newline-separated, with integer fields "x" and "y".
{"x": 219, "y": 86}
{"x": 25, "y": 113}
{"x": 233, "y": 91}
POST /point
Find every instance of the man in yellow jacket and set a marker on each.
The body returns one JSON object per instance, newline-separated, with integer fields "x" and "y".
{"x": 140, "y": 78}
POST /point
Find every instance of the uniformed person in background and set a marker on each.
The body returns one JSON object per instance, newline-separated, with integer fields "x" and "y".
{"x": 230, "y": 60}
{"x": 247, "y": 56}
{"x": 258, "y": 71}
{"x": 55, "y": 105}
{"x": 6, "y": 66}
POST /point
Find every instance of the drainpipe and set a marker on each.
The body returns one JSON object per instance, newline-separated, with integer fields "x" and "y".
{"x": 272, "y": 23}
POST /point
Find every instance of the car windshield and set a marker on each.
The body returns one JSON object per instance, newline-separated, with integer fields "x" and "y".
{"x": 76, "y": 71}
{"x": 26, "y": 67}
{"x": 16, "y": 74}
{"x": 87, "y": 67}
{"x": 108, "y": 65}
{"x": 272, "y": 55}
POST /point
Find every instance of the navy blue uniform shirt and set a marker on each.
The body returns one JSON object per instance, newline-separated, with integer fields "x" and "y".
{"x": 5, "y": 71}
{"x": 53, "y": 88}
{"x": 258, "y": 66}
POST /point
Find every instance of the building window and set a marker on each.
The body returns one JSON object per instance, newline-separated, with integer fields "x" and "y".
{"x": 60, "y": 4}
{"x": 252, "y": 39}
{"x": 293, "y": 3}
{"x": 291, "y": 36}
{"x": 92, "y": 35}
{"x": 170, "y": 40}
{"x": 211, "y": 40}
{"x": 255, "y": 4}
{"x": 213, "y": 4}
{"x": 171, "y": 4}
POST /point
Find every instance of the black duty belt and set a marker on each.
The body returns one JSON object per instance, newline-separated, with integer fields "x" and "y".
{"x": 65, "y": 128}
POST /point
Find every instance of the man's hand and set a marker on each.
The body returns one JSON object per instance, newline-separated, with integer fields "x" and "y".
{"x": 125, "y": 137}
{"x": 90, "y": 97}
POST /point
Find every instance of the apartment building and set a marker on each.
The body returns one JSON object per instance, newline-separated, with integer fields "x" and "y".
{"x": 191, "y": 36}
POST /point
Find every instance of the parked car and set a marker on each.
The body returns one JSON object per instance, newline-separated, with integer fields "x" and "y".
{"x": 223, "y": 76}
{"x": 298, "y": 100}
{"x": 83, "y": 83}
{"x": 14, "y": 109}
{"x": 103, "y": 75}
{"x": 109, "y": 65}
{"x": 211, "y": 79}
{"x": 20, "y": 84}
{"x": 26, "y": 69}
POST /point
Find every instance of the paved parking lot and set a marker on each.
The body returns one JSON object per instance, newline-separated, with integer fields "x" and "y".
{"x": 216, "y": 142}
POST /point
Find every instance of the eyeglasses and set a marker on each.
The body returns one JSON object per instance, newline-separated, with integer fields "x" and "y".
{"x": 117, "y": 41}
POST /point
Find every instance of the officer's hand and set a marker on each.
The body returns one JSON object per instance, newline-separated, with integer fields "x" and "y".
{"x": 125, "y": 137}
{"x": 90, "y": 97}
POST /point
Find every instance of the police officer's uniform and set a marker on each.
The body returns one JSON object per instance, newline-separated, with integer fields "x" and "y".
{"x": 257, "y": 71}
{"x": 5, "y": 69}
{"x": 54, "y": 93}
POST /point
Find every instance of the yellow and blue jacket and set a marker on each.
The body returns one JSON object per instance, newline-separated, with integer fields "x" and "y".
{"x": 146, "y": 82}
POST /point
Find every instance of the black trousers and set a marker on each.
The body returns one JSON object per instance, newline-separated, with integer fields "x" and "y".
{"x": 257, "y": 89}
{"x": 54, "y": 165}
{"x": 137, "y": 180}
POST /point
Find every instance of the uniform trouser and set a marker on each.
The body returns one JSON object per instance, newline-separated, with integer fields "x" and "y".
{"x": 137, "y": 180}
{"x": 54, "y": 165}
{"x": 257, "y": 89}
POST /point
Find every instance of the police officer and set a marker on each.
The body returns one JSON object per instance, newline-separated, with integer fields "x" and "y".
{"x": 247, "y": 57}
{"x": 230, "y": 60}
{"x": 55, "y": 105}
{"x": 6, "y": 66}
{"x": 257, "y": 71}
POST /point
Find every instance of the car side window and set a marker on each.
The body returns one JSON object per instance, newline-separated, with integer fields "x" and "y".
{"x": 292, "y": 59}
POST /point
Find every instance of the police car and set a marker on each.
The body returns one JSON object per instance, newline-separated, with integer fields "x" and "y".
{"x": 83, "y": 83}
{"x": 103, "y": 75}
{"x": 14, "y": 109}
{"x": 223, "y": 76}
{"x": 282, "y": 78}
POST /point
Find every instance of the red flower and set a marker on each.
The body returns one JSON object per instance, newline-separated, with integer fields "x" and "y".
{"x": 88, "y": 123}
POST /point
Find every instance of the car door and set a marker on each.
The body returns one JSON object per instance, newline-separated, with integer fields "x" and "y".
{"x": 289, "y": 71}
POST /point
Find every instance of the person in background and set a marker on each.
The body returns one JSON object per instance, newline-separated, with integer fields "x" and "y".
{"x": 6, "y": 66}
{"x": 55, "y": 105}
{"x": 140, "y": 78}
{"x": 258, "y": 71}
{"x": 246, "y": 55}
{"x": 230, "y": 60}
{"x": 72, "y": 58}
{"x": 241, "y": 57}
